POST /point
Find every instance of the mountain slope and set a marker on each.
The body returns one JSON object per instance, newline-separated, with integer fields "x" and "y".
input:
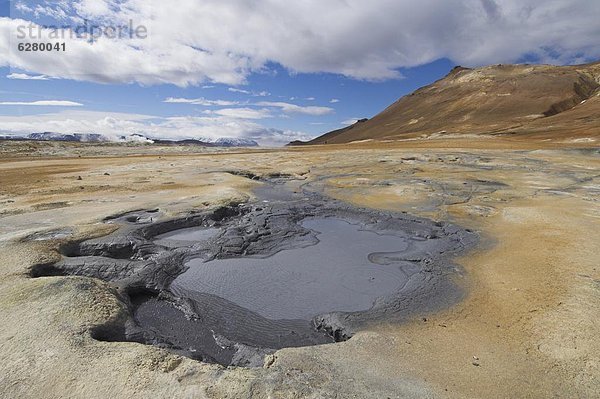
{"x": 499, "y": 99}
{"x": 331, "y": 135}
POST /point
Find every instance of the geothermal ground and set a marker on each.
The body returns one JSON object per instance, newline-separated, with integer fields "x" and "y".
{"x": 452, "y": 268}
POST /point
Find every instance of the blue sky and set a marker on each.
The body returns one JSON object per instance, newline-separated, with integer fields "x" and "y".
{"x": 348, "y": 98}
{"x": 262, "y": 70}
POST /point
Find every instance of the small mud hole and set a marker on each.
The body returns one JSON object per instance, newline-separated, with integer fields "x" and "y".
{"x": 293, "y": 269}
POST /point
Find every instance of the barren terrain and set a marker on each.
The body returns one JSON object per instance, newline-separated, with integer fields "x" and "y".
{"x": 527, "y": 326}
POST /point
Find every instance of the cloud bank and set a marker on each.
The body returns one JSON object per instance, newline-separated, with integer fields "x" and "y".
{"x": 297, "y": 109}
{"x": 226, "y": 41}
{"x": 24, "y": 76}
{"x": 222, "y": 123}
{"x": 44, "y": 103}
{"x": 200, "y": 101}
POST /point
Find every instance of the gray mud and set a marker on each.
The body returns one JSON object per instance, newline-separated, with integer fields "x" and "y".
{"x": 186, "y": 237}
{"x": 341, "y": 271}
{"x": 292, "y": 269}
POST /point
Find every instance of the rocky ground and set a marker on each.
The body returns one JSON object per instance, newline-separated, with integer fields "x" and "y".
{"x": 527, "y": 327}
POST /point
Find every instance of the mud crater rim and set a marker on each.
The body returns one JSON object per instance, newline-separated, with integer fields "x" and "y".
{"x": 143, "y": 272}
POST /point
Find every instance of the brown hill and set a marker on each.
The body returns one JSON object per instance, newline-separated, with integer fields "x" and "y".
{"x": 537, "y": 100}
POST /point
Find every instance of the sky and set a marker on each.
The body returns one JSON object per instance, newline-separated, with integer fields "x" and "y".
{"x": 267, "y": 70}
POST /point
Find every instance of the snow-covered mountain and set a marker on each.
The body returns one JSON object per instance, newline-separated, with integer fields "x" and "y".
{"x": 77, "y": 137}
{"x": 232, "y": 142}
{"x": 99, "y": 138}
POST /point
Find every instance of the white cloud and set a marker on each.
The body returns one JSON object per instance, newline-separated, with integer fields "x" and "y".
{"x": 150, "y": 61}
{"x": 241, "y": 113}
{"x": 310, "y": 99}
{"x": 297, "y": 109}
{"x": 45, "y": 103}
{"x": 200, "y": 101}
{"x": 334, "y": 100}
{"x": 115, "y": 125}
{"x": 75, "y": 121}
{"x": 349, "y": 122}
{"x": 249, "y": 113}
{"x": 235, "y": 90}
{"x": 93, "y": 9}
{"x": 23, "y": 7}
{"x": 55, "y": 11}
{"x": 250, "y": 93}
{"x": 224, "y": 42}
{"x": 24, "y": 76}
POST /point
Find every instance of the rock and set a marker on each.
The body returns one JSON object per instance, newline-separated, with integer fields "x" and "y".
{"x": 269, "y": 361}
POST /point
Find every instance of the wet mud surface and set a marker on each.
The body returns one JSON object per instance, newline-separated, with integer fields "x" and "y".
{"x": 342, "y": 271}
{"x": 292, "y": 268}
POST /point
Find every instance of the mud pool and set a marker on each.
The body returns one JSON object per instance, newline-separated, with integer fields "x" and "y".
{"x": 185, "y": 237}
{"x": 293, "y": 268}
{"x": 338, "y": 273}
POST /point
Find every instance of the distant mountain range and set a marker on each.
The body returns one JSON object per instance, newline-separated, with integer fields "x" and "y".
{"x": 49, "y": 136}
{"x": 537, "y": 101}
{"x": 220, "y": 142}
{"x": 98, "y": 138}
